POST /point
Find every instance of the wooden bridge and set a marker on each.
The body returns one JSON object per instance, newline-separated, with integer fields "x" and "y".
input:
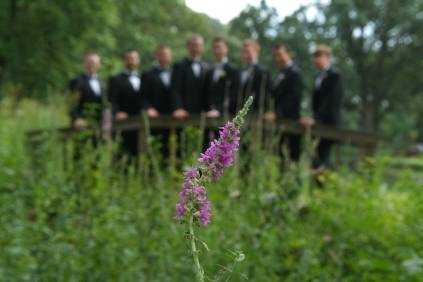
{"x": 367, "y": 142}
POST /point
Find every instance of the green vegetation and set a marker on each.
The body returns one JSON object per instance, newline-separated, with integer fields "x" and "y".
{"x": 67, "y": 216}
{"x": 87, "y": 219}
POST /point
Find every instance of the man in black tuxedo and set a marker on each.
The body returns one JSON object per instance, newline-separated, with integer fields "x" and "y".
{"x": 86, "y": 87}
{"x": 287, "y": 92}
{"x": 125, "y": 97}
{"x": 156, "y": 84}
{"x": 188, "y": 81}
{"x": 327, "y": 101}
{"x": 156, "y": 92}
{"x": 222, "y": 82}
{"x": 255, "y": 79}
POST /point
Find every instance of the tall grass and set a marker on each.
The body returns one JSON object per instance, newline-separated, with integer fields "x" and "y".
{"x": 93, "y": 219}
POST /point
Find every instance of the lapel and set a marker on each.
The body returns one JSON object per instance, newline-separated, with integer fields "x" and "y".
{"x": 251, "y": 76}
{"x": 324, "y": 79}
{"x": 223, "y": 73}
{"x": 127, "y": 83}
{"x": 86, "y": 84}
{"x": 280, "y": 77}
{"x": 159, "y": 71}
{"x": 156, "y": 74}
{"x": 202, "y": 68}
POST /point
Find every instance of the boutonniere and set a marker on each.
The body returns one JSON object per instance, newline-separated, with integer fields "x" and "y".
{"x": 221, "y": 73}
{"x": 279, "y": 78}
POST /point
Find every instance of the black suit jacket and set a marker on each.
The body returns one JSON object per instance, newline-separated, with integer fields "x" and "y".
{"x": 327, "y": 99}
{"x": 222, "y": 94}
{"x": 257, "y": 85}
{"x": 287, "y": 92}
{"x": 187, "y": 90}
{"x": 123, "y": 97}
{"x": 87, "y": 104}
{"x": 154, "y": 92}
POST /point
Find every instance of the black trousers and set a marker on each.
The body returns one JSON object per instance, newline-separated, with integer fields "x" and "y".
{"x": 130, "y": 142}
{"x": 292, "y": 143}
{"x": 162, "y": 136}
{"x": 323, "y": 153}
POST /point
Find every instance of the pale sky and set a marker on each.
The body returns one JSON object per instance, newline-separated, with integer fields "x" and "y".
{"x": 225, "y": 10}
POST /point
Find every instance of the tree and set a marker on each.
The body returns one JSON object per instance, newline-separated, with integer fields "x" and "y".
{"x": 258, "y": 23}
{"x": 43, "y": 41}
{"x": 381, "y": 40}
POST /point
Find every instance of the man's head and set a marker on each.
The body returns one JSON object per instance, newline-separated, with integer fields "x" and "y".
{"x": 250, "y": 51}
{"x": 220, "y": 48}
{"x": 322, "y": 57}
{"x": 131, "y": 59}
{"x": 163, "y": 55}
{"x": 281, "y": 54}
{"x": 92, "y": 62}
{"x": 195, "y": 45}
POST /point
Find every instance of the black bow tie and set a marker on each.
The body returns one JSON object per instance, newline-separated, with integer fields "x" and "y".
{"x": 161, "y": 69}
{"x": 194, "y": 61}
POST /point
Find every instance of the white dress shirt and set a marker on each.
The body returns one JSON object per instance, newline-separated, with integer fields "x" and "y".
{"x": 95, "y": 84}
{"x": 319, "y": 78}
{"x": 218, "y": 69}
{"x": 196, "y": 68}
{"x": 165, "y": 76}
{"x": 246, "y": 73}
{"x": 135, "y": 81}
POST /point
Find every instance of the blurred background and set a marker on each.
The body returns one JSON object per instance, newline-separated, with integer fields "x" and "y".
{"x": 377, "y": 46}
{"x": 72, "y": 216}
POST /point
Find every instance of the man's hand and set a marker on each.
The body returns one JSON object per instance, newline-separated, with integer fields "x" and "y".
{"x": 80, "y": 123}
{"x": 307, "y": 122}
{"x": 269, "y": 116}
{"x": 213, "y": 114}
{"x": 180, "y": 114}
{"x": 152, "y": 113}
{"x": 121, "y": 116}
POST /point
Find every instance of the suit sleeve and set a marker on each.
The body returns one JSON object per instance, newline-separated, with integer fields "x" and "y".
{"x": 234, "y": 91}
{"x": 73, "y": 85}
{"x": 210, "y": 102}
{"x": 112, "y": 93}
{"x": 295, "y": 96}
{"x": 336, "y": 101}
{"x": 265, "y": 91}
{"x": 330, "y": 111}
{"x": 205, "y": 106}
{"x": 76, "y": 109}
{"x": 176, "y": 86}
{"x": 146, "y": 91}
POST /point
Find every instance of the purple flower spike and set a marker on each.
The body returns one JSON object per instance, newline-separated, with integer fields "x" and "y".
{"x": 220, "y": 155}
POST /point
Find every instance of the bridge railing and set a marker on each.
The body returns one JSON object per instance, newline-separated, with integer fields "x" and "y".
{"x": 366, "y": 142}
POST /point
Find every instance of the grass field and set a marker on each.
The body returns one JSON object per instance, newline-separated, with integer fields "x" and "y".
{"x": 89, "y": 219}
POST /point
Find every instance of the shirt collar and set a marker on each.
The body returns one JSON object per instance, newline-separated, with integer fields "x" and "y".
{"x": 92, "y": 75}
{"x": 222, "y": 62}
{"x": 130, "y": 73}
{"x": 287, "y": 65}
{"x": 326, "y": 69}
{"x": 160, "y": 67}
{"x": 195, "y": 60}
{"x": 249, "y": 66}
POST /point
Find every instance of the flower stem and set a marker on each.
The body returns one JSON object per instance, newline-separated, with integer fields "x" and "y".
{"x": 198, "y": 269}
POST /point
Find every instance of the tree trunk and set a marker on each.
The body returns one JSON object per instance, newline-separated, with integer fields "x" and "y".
{"x": 369, "y": 116}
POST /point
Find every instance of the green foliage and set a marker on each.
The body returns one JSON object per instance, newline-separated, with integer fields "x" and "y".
{"x": 89, "y": 219}
{"x": 43, "y": 41}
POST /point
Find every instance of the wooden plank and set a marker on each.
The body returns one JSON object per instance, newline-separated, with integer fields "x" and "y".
{"x": 348, "y": 136}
